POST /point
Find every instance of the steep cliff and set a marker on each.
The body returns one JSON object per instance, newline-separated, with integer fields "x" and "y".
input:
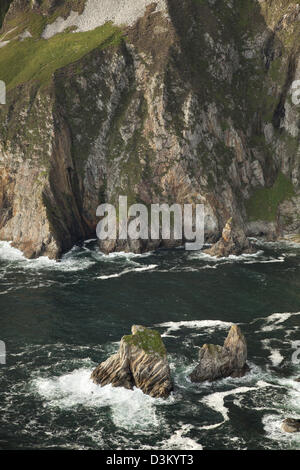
{"x": 163, "y": 101}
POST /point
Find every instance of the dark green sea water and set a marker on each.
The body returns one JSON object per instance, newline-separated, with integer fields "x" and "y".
{"x": 59, "y": 320}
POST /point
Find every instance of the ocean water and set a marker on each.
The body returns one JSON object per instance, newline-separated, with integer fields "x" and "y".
{"x": 61, "y": 319}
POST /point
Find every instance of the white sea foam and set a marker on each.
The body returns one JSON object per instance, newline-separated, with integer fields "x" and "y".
{"x": 255, "y": 258}
{"x": 205, "y": 256}
{"x": 293, "y": 394}
{"x": 9, "y": 253}
{"x": 276, "y": 357}
{"x": 69, "y": 262}
{"x": 215, "y": 401}
{"x": 178, "y": 440}
{"x": 91, "y": 240}
{"x": 151, "y": 267}
{"x": 272, "y": 425}
{"x": 124, "y": 255}
{"x": 129, "y": 409}
{"x": 197, "y": 324}
{"x": 276, "y": 320}
{"x": 268, "y": 261}
{"x": 120, "y": 12}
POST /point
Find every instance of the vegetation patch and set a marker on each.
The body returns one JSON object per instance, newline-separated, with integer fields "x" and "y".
{"x": 148, "y": 340}
{"x": 263, "y": 205}
{"x": 30, "y": 59}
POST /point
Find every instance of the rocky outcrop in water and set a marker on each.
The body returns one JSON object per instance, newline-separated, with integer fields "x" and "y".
{"x": 291, "y": 425}
{"x": 217, "y": 362}
{"x": 232, "y": 242}
{"x": 140, "y": 362}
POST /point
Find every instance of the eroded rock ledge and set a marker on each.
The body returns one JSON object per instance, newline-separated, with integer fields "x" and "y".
{"x": 140, "y": 362}
{"x": 291, "y": 425}
{"x": 232, "y": 242}
{"x": 217, "y": 362}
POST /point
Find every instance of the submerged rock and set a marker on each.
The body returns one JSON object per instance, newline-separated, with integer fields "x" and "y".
{"x": 291, "y": 425}
{"x": 217, "y": 362}
{"x": 233, "y": 242}
{"x": 140, "y": 362}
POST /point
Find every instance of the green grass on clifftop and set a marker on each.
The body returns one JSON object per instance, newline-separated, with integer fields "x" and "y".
{"x": 23, "y": 61}
{"x": 148, "y": 340}
{"x": 263, "y": 205}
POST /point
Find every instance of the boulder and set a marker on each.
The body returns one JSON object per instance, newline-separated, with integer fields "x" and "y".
{"x": 217, "y": 362}
{"x": 140, "y": 362}
{"x": 232, "y": 242}
{"x": 291, "y": 425}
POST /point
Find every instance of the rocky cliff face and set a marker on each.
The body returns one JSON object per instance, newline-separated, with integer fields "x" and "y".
{"x": 162, "y": 101}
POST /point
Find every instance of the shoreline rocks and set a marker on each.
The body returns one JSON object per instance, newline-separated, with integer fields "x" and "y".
{"x": 232, "y": 242}
{"x": 291, "y": 425}
{"x": 140, "y": 362}
{"x": 217, "y": 362}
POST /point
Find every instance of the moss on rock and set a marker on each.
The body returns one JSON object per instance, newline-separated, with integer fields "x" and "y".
{"x": 263, "y": 204}
{"x": 148, "y": 340}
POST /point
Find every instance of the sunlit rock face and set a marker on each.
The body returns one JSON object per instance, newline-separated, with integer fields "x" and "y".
{"x": 140, "y": 362}
{"x": 233, "y": 242}
{"x": 291, "y": 425}
{"x": 218, "y": 362}
{"x": 177, "y": 102}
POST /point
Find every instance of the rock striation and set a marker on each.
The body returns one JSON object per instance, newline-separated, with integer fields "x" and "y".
{"x": 217, "y": 362}
{"x": 232, "y": 242}
{"x": 140, "y": 362}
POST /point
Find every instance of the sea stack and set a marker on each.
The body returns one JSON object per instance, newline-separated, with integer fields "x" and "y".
{"x": 140, "y": 362}
{"x": 217, "y": 362}
{"x": 232, "y": 242}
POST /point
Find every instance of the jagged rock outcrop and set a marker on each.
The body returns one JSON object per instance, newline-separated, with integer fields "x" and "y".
{"x": 140, "y": 362}
{"x": 217, "y": 362}
{"x": 232, "y": 242}
{"x": 291, "y": 425}
{"x": 160, "y": 109}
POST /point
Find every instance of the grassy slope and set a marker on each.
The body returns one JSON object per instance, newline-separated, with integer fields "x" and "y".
{"x": 263, "y": 205}
{"x": 23, "y": 61}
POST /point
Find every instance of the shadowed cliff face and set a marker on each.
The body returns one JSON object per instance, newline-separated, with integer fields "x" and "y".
{"x": 193, "y": 106}
{"x": 3, "y": 9}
